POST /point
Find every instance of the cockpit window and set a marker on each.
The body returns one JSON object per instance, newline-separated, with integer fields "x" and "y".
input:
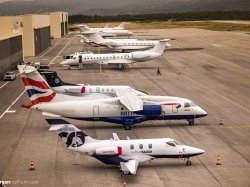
{"x": 176, "y": 143}
{"x": 186, "y": 105}
{"x": 171, "y": 143}
{"x": 193, "y": 104}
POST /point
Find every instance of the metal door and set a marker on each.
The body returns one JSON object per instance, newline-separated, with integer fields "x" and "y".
{"x": 37, "y": 41}
{"x": 96, "y": 111}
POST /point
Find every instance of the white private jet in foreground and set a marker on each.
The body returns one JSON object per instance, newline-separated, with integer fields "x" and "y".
{"x": 127, "y": 108}
{"x": 120, "y": 44}
{"x": 106, "y": 32}
{"x": 125, "y": 153}
{"x": 120, "y": 59}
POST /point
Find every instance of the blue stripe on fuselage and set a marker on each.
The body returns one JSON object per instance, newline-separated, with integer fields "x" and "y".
{"x": 131, "y": 120}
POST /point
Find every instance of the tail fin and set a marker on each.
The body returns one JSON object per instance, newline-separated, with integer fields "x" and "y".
{"x": 84, "y": 28}
{"x": 54, "y": 80}
{"x": 122, "y": 25}
{"x": 37, "y": 88}
{"x": 160, "y": 46}
{"x": 71, "y": 135}
{"x": 95, "y": 37}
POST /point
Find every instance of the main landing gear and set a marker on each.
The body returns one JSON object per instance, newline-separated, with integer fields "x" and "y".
{"x": 121, "y": 67}
{"x": 188, "y": 162}
{"x": 190, "y": 122}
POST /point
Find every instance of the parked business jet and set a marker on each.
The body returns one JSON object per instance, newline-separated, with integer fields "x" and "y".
{"x": 125, "y": 153}
{"x": 98, "y": 91}
{"x": 120, "y": 59}
{"x": 121, "y": 44}
{"x": 105, "y": 32}
{"x": 127, "y": 108}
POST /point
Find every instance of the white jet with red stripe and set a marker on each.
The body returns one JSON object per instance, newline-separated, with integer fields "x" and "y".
{"x": 127, "y": 154}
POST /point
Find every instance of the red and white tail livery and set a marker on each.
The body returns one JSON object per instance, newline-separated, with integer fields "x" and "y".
{"x": 36, "y": 87}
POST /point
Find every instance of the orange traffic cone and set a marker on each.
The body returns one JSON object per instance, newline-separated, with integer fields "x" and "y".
{"x": 221, "y": 121}
{"x": 32, "y": 165}
{"x": 218, "y": 162}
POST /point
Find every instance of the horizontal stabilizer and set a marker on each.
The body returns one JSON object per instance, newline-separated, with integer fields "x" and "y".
{"x": 130, "y": 99}
{"x": 56, "y": 127}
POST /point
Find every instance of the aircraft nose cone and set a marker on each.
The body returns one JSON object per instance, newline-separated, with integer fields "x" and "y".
{"x": 201, "y": 112}
{"x": 199, "y": 151}
{"x": 192, "y": 151}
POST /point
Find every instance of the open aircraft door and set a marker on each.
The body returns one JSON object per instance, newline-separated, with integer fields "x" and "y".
{"x": 96, "y": 112}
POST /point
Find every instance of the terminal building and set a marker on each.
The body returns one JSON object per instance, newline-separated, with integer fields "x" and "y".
{"x": 28, "y": 35}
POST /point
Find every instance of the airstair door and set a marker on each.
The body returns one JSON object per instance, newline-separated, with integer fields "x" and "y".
{"x": 96, "y": 111}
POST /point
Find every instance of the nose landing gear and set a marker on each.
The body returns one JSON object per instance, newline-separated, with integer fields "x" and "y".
{"x": 188, "y": 162}
{"x": 190, "y": 122}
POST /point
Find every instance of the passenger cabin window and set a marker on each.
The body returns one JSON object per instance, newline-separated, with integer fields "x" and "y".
{"x": 186, "y": 105}
{"x": 131, "y": 146}
{"x": 171, "y": 143}
{"x": 150, "y": 146}
{"x": 141, "y": 146}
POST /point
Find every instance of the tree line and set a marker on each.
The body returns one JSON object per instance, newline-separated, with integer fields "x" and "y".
{"x": 187, "y": 16}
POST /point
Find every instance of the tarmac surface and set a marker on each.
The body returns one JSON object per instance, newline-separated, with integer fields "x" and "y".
{"x": 211, "y": 68}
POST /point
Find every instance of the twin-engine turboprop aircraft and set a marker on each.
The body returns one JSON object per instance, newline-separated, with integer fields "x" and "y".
{"x": 127, "y": 108}
{"x": 106, "y": 31}
{"x": 125, "y": 153}
{"x": 120, "y": 59}
{"x": 120, "y": 44}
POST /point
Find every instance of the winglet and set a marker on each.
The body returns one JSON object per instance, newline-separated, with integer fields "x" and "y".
{"x": 115, "y": 137}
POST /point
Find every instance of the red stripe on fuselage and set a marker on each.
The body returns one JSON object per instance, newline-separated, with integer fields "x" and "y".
{"x": 30, "y": 82}
{"x": 167, "y": 104}
{"x": 119, "y": 150}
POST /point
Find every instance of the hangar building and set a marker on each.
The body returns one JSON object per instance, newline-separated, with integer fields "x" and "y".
{"x": 59, "y": 24}
{"x": 11, "y": 50}
{"x": 28, "y": 35}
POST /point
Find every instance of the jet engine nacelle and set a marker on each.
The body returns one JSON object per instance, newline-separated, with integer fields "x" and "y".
{"x": 154, "y": 110}
{"x": 76, "y": 90}
{"x": 108, "y": 151}
{"x": 140, "y": 55}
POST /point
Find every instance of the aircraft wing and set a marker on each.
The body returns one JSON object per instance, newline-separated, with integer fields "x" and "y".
{"x": 129, "y": 99}
{"x": 129, "y": 167}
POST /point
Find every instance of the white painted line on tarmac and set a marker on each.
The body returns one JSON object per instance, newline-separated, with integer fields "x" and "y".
{"x": 12, "y": 104}
{"x": 60, "y": 51}
{"x": 4, "y": 84}
{"x": 11, "y": 111}
{"x": 48, "y": 50}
